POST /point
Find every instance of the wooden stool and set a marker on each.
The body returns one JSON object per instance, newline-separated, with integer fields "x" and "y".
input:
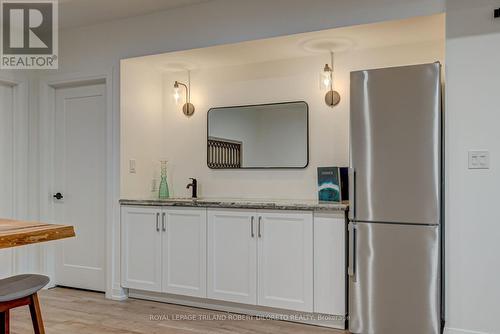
{"x": 19, "y": 291}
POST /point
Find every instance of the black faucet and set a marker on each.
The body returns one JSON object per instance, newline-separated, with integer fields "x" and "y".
{"x": 194, "y": 186}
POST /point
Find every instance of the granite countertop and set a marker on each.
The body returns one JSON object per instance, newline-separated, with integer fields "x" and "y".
{"x": 303, "y": 205}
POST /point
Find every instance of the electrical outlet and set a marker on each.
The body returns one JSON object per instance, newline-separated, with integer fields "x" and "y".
{"x": 479, "y": 159}
{"x": 154, "y": 185}
{"x": 131, "y": 166}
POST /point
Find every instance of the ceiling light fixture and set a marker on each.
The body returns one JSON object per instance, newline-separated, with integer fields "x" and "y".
{"x": 188, "y": 107}
{"x": 332, "y": 97}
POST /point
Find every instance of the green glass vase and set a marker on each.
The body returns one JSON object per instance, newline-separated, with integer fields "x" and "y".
{"x": 163, "y": 189}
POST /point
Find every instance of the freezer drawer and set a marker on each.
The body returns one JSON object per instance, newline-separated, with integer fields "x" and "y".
{"x": 394, "y": 283}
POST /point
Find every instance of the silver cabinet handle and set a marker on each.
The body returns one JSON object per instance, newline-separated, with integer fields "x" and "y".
{"x": 260, "y": 220}
{"x": 163, "y": 222}
{"x": 157, "y": 222}
{"x": 352, "y": 195}
{"x": 251, "y": 227}
{"x": 351, "y": 269}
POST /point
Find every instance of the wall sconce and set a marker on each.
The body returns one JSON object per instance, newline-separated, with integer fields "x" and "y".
{"x": 332, "y": 97}
{"x": 188, "y": 107}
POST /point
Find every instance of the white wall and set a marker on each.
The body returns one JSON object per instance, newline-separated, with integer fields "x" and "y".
{"x": 221, "y": 22}
{"x": 6, "y": 149}
{"x": 184, "y": 139}
{"x": 473, "y": 117}
{"x": 18, "y": 196}
{"x": 141, "y": 122}
{"x": 6, "y": 168}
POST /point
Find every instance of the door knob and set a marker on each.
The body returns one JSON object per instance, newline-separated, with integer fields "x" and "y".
{"x": 58, "y": 196}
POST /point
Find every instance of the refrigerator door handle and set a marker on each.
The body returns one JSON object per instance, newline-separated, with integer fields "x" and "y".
{"x": 352, "y": 195}
{"x": 351, "y": 269}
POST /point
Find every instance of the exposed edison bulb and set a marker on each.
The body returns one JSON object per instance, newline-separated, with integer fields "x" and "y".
{"x": 177, "y": 96}
{"x": 326, "y": 80}
{"x": 327, "y": 76}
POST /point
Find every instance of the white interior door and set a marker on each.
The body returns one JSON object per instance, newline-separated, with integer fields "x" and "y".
{"x": 80, "y": 176}
{"x": 6, "y": 168}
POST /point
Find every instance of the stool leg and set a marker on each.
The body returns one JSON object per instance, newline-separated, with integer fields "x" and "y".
{"x": 36, "y": 314}
{"x": 4, "y": 322}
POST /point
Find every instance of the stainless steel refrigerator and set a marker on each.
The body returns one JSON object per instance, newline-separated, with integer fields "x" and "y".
{"x": 395, "y": 191}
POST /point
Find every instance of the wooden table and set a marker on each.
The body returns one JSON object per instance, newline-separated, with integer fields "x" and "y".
{"x": 15, "y": 233}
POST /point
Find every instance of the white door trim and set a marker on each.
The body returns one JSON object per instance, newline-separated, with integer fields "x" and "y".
{"x": 47, "y": 89}
{"x": 21, "y": 134}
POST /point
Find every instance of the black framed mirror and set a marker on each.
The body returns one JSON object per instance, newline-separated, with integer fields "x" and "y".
{"x": 262, "y": 136}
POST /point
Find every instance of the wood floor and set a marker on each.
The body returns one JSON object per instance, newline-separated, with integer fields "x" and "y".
{"x": 67, "y": 311}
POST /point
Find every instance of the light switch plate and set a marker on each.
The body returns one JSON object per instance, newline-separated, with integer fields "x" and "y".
{"x": 479, "y": 159}
{"x": 131, "y": 166}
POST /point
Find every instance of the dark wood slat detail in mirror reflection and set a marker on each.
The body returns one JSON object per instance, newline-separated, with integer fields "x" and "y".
{"x": 224, "y": 153}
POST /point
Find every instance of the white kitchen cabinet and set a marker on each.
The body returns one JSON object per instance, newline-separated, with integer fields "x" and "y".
{"x": 291, "y": 260}
{"x": 329, "y": 263}
{"x": 261, "y": 257}
{"x": 141, "y": 248}
{"x": 184, "y": 253}
{"x": 232, "y": 256}
{"x": 164, "y": 250}
{"x": 285, "y": 260}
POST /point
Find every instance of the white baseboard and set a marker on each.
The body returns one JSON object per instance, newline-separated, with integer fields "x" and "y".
{"x": 336, "y": 322}
{"x": 51, "y": 285}
{"x": 448, "y": 330}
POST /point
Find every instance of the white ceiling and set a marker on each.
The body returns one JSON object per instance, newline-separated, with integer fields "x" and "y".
{"x": 78, "y": 13}
{"x": 409, "y": 31}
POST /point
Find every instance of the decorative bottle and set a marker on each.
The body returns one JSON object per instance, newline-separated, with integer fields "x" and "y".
{"x": 163, "y": 189}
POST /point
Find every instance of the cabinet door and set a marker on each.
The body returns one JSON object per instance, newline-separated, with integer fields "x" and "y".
{"x": 141, "y": 248}
{"x": 184, "y": 251}
{"x": 329, "y": 263}
{"x": 232, "y": 256}
{"x": 285, "y": 251}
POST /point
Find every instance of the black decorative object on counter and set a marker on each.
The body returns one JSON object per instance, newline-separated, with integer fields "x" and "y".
{"x": 194, "y": 187}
